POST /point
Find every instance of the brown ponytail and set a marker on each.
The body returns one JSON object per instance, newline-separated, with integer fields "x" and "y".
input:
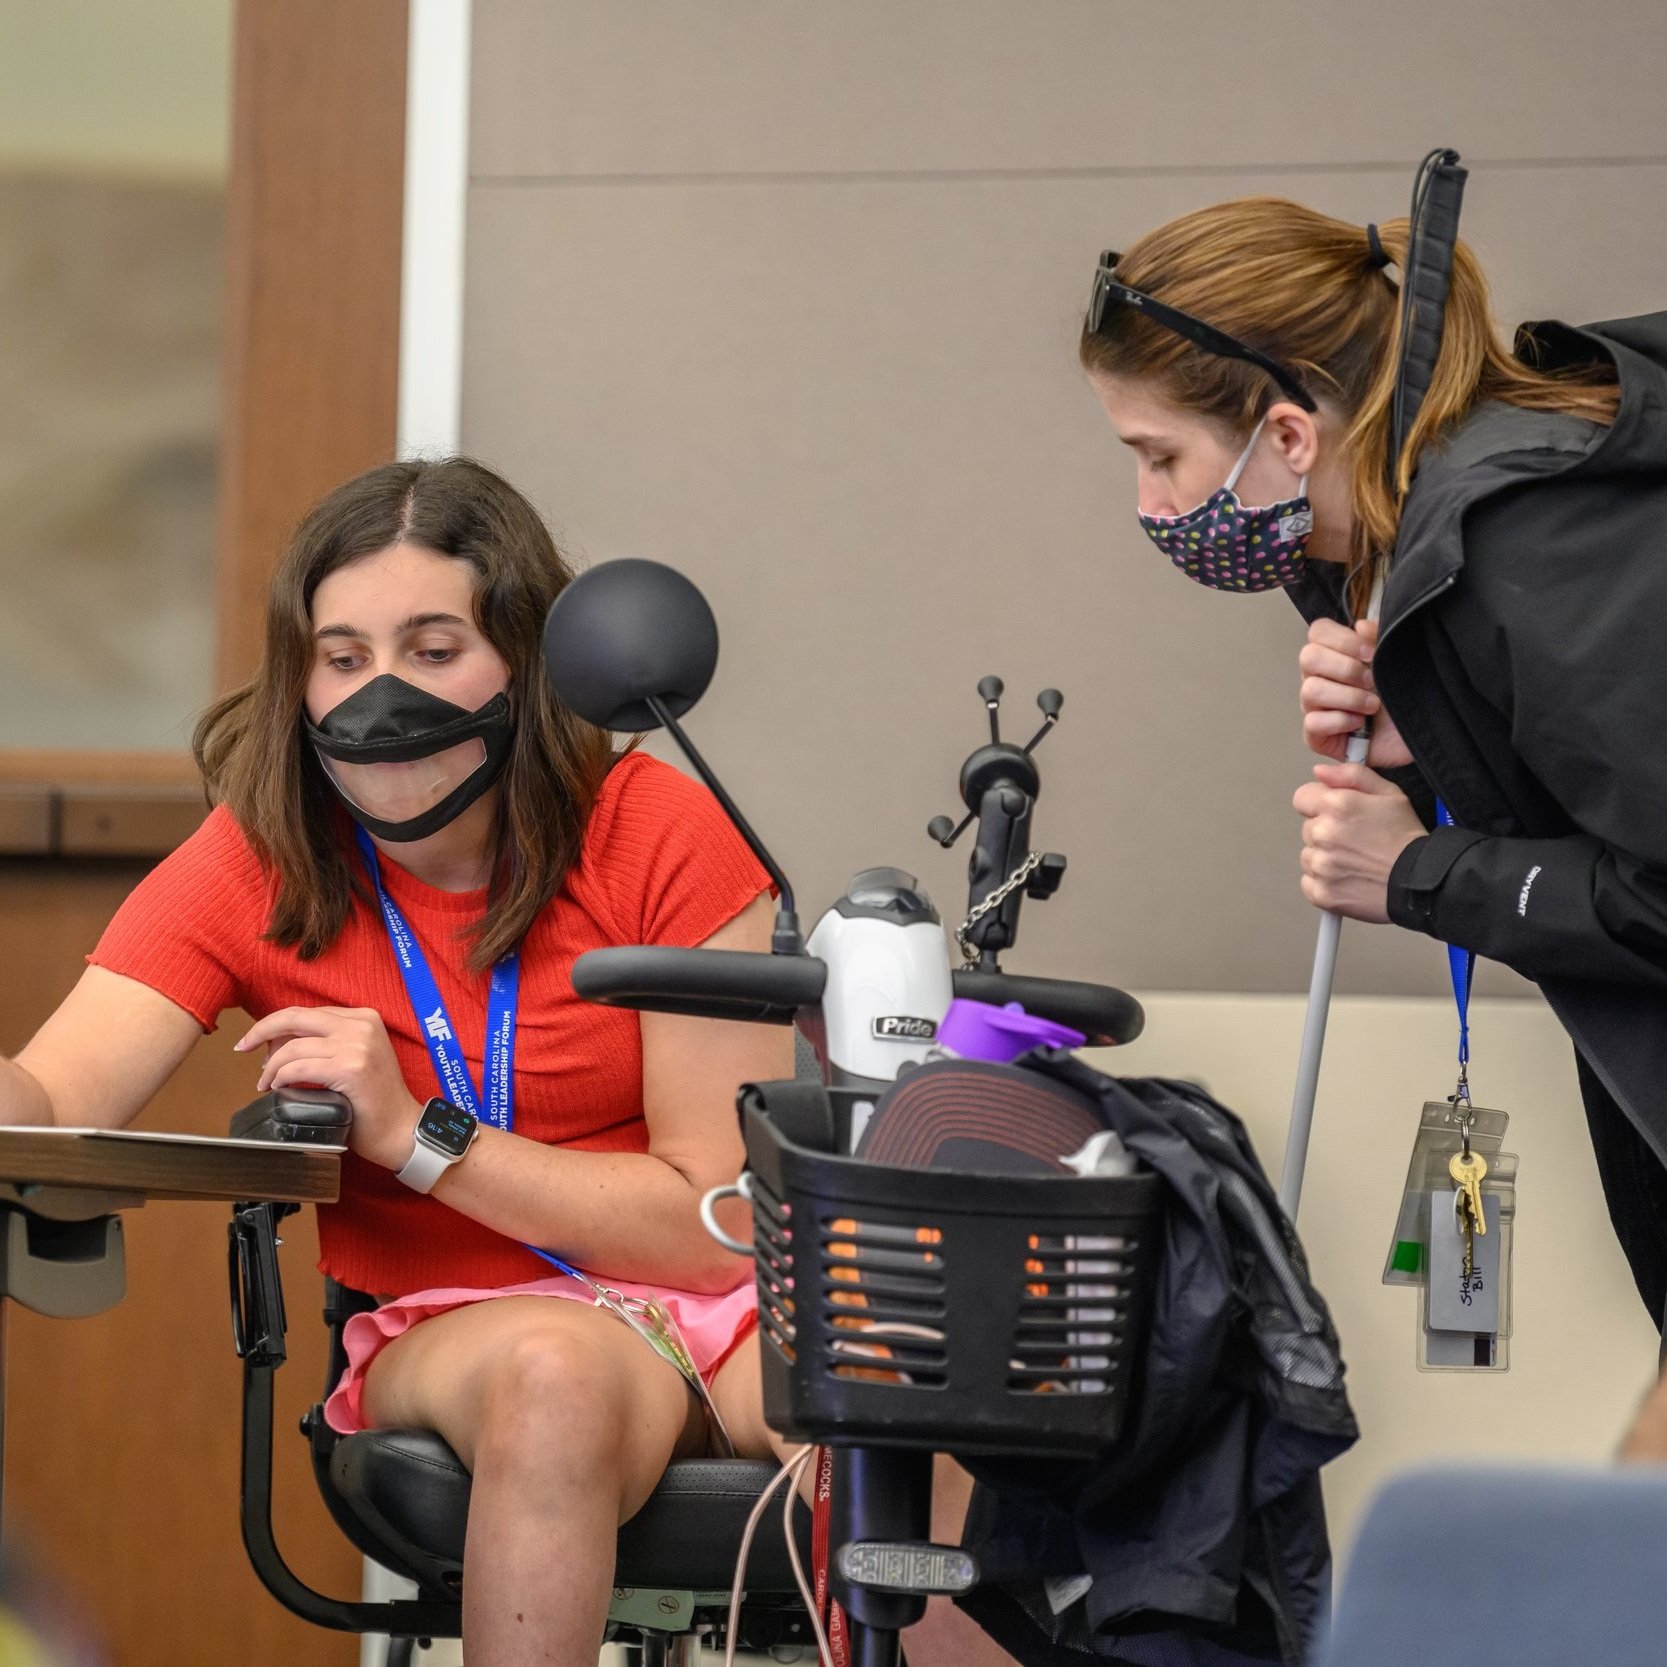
{"x": 1309, "y": 291}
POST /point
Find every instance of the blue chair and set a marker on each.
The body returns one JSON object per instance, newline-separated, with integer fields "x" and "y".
{"x": 1508, "y": 1567}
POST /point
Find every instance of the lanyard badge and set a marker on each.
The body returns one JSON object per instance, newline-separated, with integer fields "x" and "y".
{"x": 1453, "y": 1234}
{"x": 652, "y": 1321}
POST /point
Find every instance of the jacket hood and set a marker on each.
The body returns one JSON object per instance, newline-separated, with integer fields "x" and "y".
{"x": 1637, "y": 347}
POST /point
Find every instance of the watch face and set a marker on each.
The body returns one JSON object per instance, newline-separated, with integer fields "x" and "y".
{"x": 446, "y": 1127}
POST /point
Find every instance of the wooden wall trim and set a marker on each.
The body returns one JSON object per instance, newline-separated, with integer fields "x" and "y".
{"x": 68, "y": 804}
{"x": 313, "y": 280}
{"x": 54, "y": 767}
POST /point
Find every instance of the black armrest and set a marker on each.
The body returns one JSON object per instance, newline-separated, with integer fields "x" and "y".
{"x": 303, "y": 1116}
{"x": 308, "y": 1116}
{"x": 1106, "y": 1016}
{"x": 703, "y": 983}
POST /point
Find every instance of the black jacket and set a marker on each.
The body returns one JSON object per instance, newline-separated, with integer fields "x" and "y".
{"x": 1523, "y": 656}
{"x": 1199, "y": 1540}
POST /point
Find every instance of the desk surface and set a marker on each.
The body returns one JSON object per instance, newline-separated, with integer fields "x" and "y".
{"x": 159, "y": 1167}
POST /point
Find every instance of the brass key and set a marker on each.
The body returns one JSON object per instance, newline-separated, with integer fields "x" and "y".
{"x": 1469, "y": 1170}
{"x": 1461, "y": 1212}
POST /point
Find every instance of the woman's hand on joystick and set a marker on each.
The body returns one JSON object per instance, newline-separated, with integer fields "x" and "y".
{"x": 344, "y": 1049}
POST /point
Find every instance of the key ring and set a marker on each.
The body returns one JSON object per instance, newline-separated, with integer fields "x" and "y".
{"x": 1459, "y": 1100}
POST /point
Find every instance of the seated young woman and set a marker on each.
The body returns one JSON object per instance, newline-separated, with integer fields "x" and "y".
{"x": 412, "y": 841}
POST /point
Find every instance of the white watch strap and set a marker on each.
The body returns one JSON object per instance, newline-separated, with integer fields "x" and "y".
{"x": 425, "y": 1166}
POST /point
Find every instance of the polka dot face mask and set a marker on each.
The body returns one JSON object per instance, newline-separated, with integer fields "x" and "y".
{"x": 1227, "y": 546}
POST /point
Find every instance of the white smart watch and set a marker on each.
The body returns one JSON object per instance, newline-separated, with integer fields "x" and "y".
{"x": 444, "y": 1133}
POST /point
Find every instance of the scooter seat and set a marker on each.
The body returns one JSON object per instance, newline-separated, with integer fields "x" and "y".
{"x": 410, "y": 1493}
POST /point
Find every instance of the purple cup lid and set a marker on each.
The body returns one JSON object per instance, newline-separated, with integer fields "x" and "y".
{"x": 979, "y": 1030}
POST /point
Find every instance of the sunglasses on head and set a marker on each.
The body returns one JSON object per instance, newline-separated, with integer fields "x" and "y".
{"x": 1109, "y": 292}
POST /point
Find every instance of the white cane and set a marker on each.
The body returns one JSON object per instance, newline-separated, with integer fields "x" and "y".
{"x": 1319, "y": 1000}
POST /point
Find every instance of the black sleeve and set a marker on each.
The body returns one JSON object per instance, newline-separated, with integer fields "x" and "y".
{"x": 1558, "y": 619}
{"x": 1548, "y": 908}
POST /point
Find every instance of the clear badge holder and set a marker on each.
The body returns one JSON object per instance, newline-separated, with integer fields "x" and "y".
{"x": 1464, "y": 1303}
{"x": 1440, "y": 1135}
{"x": 1457, "y": 1215}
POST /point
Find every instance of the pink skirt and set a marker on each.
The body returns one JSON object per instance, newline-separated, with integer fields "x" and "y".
{"x": 712, "y": 1326}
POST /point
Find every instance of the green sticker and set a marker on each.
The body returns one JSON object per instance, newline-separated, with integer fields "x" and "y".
{"x": 1409, "y": 1256}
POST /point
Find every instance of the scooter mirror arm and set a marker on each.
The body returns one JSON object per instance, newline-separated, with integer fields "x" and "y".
{"x": 787, "y": 938}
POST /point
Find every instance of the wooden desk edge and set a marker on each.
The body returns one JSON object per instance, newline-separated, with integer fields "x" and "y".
{"x": 183, "y": 1173}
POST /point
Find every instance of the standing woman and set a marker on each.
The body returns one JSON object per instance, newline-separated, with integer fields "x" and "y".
{"x": 1247, "y": 355}
{"x": 412, "y": 842}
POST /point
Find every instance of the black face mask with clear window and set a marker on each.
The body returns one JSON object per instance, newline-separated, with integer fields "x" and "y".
{"x": 405, "y": 762}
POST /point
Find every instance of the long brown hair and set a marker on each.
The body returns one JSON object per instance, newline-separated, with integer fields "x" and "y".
{"x": 1307, "y": 291}
{"x": 254, "y": 760}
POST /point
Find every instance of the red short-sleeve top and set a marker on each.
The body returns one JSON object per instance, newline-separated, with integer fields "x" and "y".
{"x": 660, "y": 864}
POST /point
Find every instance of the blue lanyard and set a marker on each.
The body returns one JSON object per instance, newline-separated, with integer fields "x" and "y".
{"x": 503, "y": 995}
{"x": 556, "y": 1262}
{"x": 1461, "y": 963}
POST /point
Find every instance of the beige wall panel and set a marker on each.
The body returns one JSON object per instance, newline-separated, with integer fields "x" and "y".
{"x": 851, "y": 412}
{"x": 1584, "y": 1349}
{"x": 722, "y": 86}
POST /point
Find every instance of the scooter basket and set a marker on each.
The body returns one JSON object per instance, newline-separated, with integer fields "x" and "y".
{"x": 934, "y": 1309}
